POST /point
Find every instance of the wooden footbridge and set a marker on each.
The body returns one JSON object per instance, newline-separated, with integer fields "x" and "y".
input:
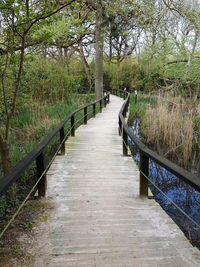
{"x": 99, "y": 215}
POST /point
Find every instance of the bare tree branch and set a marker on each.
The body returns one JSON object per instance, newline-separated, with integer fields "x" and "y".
{"x": 179, "y": 61}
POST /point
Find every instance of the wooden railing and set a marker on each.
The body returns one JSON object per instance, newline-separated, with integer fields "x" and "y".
{"x": 146, "y": 154}
{"x": 38, "y": 154}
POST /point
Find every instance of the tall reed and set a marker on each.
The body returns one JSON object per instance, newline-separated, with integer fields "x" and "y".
{"x": 167, "y": 125}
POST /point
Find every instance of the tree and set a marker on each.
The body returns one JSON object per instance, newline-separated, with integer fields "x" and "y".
{"x": 19, "y": 20}
{"x": 99, "y": 8}
{"x": 119, "y": 26}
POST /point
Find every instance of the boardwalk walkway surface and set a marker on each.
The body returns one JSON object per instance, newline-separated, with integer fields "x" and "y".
{"x": 98, "y": 218}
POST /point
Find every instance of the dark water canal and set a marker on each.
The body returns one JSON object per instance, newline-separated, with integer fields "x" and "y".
{"x": 185, "y": 209}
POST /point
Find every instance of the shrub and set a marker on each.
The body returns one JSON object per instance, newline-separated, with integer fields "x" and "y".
{"x": 125, "y": 74}
{"x": 52, "y": 80}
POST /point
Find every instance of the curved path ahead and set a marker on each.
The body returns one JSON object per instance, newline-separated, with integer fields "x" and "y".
{"x": 98, "y": 218}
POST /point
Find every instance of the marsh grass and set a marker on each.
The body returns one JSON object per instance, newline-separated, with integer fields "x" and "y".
{"x": 34, "y": 121}
{"x": 139, "y": 109}
{"x": 170, "y": 126}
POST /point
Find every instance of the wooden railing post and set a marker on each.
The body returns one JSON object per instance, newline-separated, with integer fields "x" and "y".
{"x": 124, "y": 112}
{"x": 144, "y": 172}
{"x": 108, "y": 98}
{"x": 85, "y": 115}
{"x": 73, "y": 125}
{"x": 62, "y": 137}
{"x": 125, "y": 109}
{"x": 120, "y": 127}
{"x": 105, "y": 102}
{"x": 128, "y": 102}
{"x": 40, "y": 165}
{"x": 125, "y": 142}
{"x": 94, "y": 109}
{"x": 100, "y": 105}
{"x": 136, "y": 99}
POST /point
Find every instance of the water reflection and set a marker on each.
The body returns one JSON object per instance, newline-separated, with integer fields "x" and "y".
{"x": 183, "y": 195}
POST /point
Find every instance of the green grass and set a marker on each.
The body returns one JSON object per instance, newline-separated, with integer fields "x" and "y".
{"x": 35, "y": 122}
{"x": 18, "y": 152}
{"x": 25, "y": 117}
{"x": 196, "y": 121}
{"x": 28, "y": 115}
{"x": 139, "y": 109}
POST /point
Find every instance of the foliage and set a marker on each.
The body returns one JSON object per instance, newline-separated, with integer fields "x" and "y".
{"x": 125, "y": 74}
{"x": 139, "y": 109}
{"x": 55, "y": 80}
{"x": 34, "y": 121}
{"x": 169, "y": 126}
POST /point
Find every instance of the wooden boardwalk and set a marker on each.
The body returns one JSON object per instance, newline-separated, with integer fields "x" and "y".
{"x": 98, "y": 218}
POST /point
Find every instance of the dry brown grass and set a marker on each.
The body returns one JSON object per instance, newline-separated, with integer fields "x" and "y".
{"x": 168, "y": 125}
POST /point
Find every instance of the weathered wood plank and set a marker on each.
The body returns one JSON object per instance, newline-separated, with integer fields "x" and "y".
{"x": 98, "y": 218}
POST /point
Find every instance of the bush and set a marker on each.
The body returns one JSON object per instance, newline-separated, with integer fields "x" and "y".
{"x": 125, "y": 74}
{"x": 53, "y": 81}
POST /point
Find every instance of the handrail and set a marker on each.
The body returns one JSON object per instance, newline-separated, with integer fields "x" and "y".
{"x": 146, "y": 153}
{"x": 38, "y": 153}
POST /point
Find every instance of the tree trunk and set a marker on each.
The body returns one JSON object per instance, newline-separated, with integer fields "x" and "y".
{"x": 5, "y": 155}
{"x": 99, "y": 51}
{"x": 4, "y": 144}
{"x": 110, "y": 45}
{"x": 86, "y": 66}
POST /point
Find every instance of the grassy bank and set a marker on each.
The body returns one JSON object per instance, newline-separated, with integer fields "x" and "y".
{"x": 139, "y": 109}
{"x": 35, "y": 120}
{"x": 28, "y": 128}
